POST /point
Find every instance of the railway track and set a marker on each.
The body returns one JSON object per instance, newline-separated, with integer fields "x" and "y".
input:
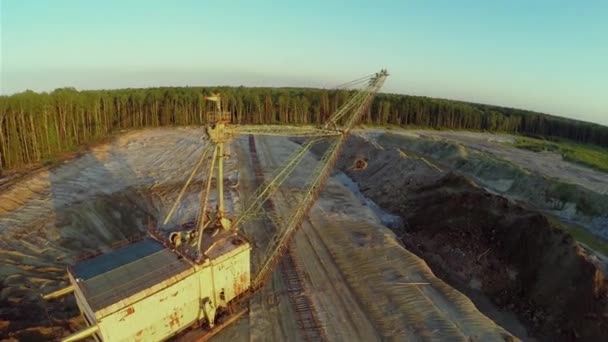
{"x": 307, "y": 320}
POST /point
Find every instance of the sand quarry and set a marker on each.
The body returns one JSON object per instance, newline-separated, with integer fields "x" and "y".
{"x": 434, "y": 239}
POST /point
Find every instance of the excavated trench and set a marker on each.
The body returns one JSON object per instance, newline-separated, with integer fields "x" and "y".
{"x": 485, "y": 245}
{"x": 482, "y": 244}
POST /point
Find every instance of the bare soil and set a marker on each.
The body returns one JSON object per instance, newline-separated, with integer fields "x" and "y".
{"x": 476, "y": 240}
{"x": 575, "y": 194}
{"x": 364, "y": 284}
{"x": 548, "y": 163}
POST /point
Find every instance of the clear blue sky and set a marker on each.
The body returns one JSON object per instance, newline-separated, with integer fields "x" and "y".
{"x": 549, "y": 56}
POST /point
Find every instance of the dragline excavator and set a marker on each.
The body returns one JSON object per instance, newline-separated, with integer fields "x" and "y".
{"x": 162, "y": 285}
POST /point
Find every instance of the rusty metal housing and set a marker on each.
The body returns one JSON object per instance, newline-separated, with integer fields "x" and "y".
{"x": 147, "y": 291}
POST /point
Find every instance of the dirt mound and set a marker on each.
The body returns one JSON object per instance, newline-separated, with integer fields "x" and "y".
{"x": 522, "y": 261}
{"x": 499, "y": 171}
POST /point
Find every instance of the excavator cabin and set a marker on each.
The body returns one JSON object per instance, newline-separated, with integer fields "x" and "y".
{"x": 148, "y": 290}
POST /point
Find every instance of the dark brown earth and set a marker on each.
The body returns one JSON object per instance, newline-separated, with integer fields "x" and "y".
{"x": 472, "y": 239}
{"x": 29, "y": 320}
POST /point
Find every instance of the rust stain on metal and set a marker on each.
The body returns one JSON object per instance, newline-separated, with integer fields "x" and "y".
{"x": 174, "y": 320}
{"x": 138, "y": 335}
{"x": 240, "y": 284}
{"x": 129, "y": 311}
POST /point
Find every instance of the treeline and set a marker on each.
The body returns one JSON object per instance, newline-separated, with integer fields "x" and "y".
{"x": 35, "y": 127}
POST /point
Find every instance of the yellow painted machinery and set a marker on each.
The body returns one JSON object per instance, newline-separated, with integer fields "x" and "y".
{"x": 157, "y": 287}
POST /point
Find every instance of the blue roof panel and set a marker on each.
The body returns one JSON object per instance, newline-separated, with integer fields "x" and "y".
{"x": 110, "y": 278}
{"x": 101, "y": 264}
